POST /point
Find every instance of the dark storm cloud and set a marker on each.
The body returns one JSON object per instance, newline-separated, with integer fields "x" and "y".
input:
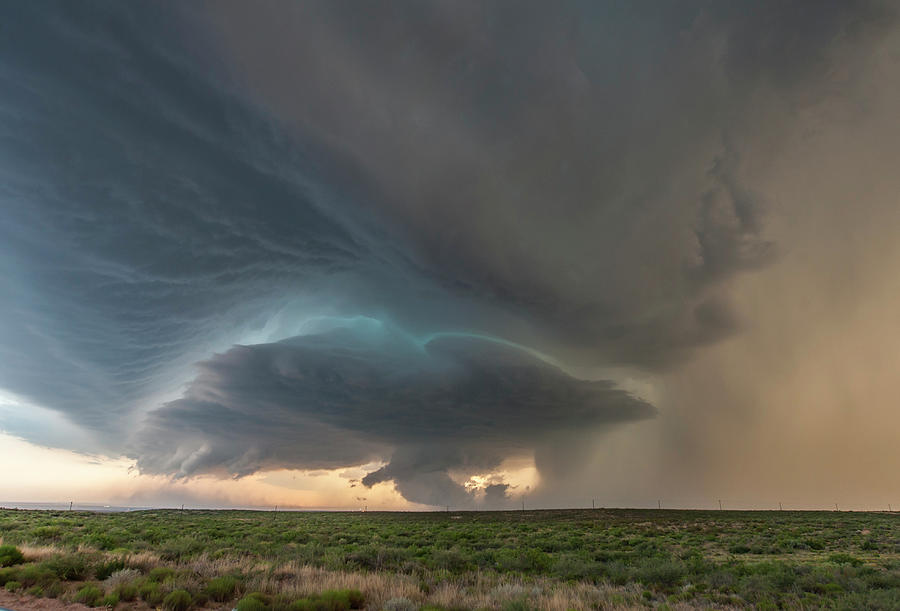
{"x": 178, "y": 179}
{"x": 576, "y": 164}
{"x": 355, "y": 395}
{"x": 144, "y": 209}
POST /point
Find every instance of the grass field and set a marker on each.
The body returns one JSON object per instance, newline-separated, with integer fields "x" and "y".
{"x": 576, "y": 559}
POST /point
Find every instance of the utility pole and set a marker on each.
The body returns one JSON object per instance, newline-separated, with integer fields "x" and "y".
{"x": 780, "y": 508}
{"x": 889, "y": 508}
{"x": 659, "y": 504}
{"x": 70, "y": 505}
{"x": 720, "y": 504}
{"x": 592, "y": 504}
{"x": 836, "y": 507}
{"x": 523, "y": 502}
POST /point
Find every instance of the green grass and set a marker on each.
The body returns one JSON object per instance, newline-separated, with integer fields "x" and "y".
{"x": 712, "y": 558}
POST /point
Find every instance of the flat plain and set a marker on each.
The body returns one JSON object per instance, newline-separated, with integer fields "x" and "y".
{"x": 516, "y": 560}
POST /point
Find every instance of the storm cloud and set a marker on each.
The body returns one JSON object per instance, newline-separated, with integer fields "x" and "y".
{"x": 353, "y": 396}
{"x": 239, "y": 237}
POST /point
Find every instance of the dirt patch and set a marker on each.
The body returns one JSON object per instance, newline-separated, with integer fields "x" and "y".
{"x": 24, "y": 602}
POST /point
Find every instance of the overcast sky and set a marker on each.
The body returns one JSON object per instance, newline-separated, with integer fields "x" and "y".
{"x": 419, "y": 254}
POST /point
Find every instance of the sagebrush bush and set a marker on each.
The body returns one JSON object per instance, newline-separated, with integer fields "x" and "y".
{"x": 304, "y": 604}
{"x": 89, "y": 595}
{"x": 105, "y": 569}
{"x": 10, "y": 555}
{"x": 35, "y": 574}
{"x": 70, "y": 567}
{"x": 252, "y": 602}
{"x": 161, "y": 573}
{"x": 177, "y": 600}
{"x": 110, "y": 601}
{"x": 54, "y": 590}
{"x": 126, "y": 591}
{"x": 221, "y": 589}
{"x": 664, "y": 572}
{"x": 150, "y": 593}
{"x": 8, "y": 574}
{"x": 335, "y": 600}
{"x": 356, "y": 598}
{"x": 400, "y": 603}
{"x": 13, "y": 586}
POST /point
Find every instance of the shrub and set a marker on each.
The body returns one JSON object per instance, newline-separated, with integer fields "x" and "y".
{"x": 335, "y": 600}
{"x": 35, "y": 574}
{"x": 282, "y": 602}
{"x": 221, "y": 589}
{"x": 525, "y": 561}
{"x": 572, "y": 566}
{"x": 400, "y": 604}
{"x": 13, "y": 586}
{"x": 450, "y": 559}
{"x": 46, "y": 532}
{"x": 110, "y": 601}
{"x": 357, "y": 599}
{"x": 843, "y": 558}
{"x": 332, "y": 600}
{"x": 68, "y": 568}
{"x": 106, "y": 569}
{"x": 869, "y": 544}
{"x": 177, "y": 600}
{"x": 161, "y": 573}
{"x": 89, "y": 595}
{"x": 252, "y": 602}
{"x": 8, "y": 574}
{"x": 180, "y": 549}
{"x": 305, "y": 604}
{"x": 150, "y": 593}
{"x": 126, "y": 591}
{"x": 10, "y": 555}
{"x": 54, "y": 590}
{"x": 121, "y": 577}
{"x": 814, "y": 544}
{"x": 662, "y": 572}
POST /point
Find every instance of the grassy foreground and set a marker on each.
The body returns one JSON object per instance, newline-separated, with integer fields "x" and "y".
{"x": 575, "y": 559}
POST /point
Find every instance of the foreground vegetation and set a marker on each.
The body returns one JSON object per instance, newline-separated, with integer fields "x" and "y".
{"x": 582, "y": 559}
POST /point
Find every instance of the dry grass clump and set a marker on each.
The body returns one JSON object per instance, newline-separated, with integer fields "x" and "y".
{"x": 298, "y": 580}
{"x": 497, "y": 592}
{"x": 385, "y": 590}
{"x": 38, "y": 553}
{"x": 120, "y": 577}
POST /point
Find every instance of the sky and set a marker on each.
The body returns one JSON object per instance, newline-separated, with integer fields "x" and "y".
{"x": 437, "y": 254}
